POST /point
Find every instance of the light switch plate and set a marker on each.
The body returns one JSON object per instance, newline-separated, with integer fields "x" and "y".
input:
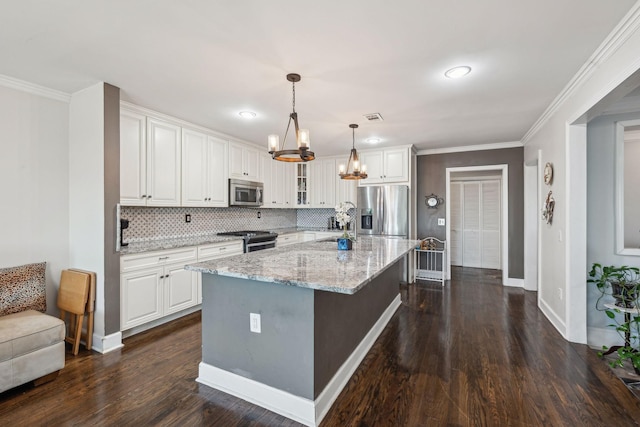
{"x": 254, "y": 323}
{"x": 440, "y": 221}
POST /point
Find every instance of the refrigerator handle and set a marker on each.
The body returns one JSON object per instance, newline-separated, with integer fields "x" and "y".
{"x": 380, "y": 203}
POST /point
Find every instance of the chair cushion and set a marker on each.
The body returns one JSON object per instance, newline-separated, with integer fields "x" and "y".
{"x": 28, "y": 331}
{"x": 23, "y": 288}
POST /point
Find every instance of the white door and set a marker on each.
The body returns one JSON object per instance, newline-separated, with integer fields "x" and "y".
{"x": 141, "y": 297}
{"x": 133, "y": 160}
{"x": 180, "y": 288}
{"x": 217, "y": 184}
{"x": 455, "y": 206}
{"x": 194, "y": 168}
{"x": 476, "y": 224}
{"x": 163, "y": 163}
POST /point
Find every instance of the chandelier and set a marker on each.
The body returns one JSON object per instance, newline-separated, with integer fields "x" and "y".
{"x": 302, "y": 153}
{"x": 359, "y": 171}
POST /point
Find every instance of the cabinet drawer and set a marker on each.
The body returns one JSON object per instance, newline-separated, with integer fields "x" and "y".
{"x": 153, "y": 259}
{"x": 287, "y": 239}
{"x": 219, "y": 250}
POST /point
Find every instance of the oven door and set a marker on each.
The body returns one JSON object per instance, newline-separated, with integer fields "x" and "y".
{"x": 245, "y": 193}
{"x": 258, "y": 246}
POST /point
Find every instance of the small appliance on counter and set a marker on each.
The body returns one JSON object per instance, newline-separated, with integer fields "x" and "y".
{"x": 124, "y": 224}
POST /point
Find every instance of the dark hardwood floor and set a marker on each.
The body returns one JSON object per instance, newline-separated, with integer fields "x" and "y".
{"x": 471, "y": 354}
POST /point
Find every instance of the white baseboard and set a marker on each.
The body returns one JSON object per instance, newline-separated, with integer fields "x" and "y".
{"x": 514, "y": 283}
{"x": 297, "y": 408}
{"x": 107, "y": 343}
{"x": 555, "y": 320}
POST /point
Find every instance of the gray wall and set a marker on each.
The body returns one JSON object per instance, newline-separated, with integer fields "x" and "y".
{"x": 431, "y": 178}
{"x": 111, "y": 199}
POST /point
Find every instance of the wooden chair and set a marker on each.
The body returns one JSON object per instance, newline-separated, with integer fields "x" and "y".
{"x": 76, "y": 297}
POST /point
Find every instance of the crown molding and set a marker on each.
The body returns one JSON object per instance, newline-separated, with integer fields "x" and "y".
{"x": 33, "y": 88}
{"x": 618, "y": 36}
{"x": 479, "y": 147}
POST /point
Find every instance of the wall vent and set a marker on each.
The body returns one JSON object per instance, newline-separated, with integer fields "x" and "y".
{"x": 373, "y": 117}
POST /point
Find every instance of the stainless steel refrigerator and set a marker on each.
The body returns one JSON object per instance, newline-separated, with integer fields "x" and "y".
{"x": 383, "y": 210}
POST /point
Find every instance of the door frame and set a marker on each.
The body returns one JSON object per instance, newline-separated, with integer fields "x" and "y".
{"x": 532, "y": 209}
{"x": 504, "y": 229}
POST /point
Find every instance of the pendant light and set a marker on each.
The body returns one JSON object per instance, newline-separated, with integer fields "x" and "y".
{"x": 359, "y": 171}
{"x": 302, "y": 153}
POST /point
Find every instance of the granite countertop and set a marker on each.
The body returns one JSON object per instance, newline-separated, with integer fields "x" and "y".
{"x": 181, "y": 242}
{"x": 314, "y": 265}
{"x": 178, "y": 242}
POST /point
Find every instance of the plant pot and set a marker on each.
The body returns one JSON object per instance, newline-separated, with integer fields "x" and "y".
{"x": 625, "y": 294}
{"x": 345, "y": 244}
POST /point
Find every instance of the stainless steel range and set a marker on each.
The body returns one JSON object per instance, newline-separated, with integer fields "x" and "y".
{"x": 254, "y": 240}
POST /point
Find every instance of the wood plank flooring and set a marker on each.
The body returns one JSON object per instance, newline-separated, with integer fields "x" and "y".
{"x": 471, "y": 354}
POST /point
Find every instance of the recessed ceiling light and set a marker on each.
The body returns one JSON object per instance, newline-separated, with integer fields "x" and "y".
{"x": 373, "y": 140}
{"x": 247, "y": 114}
{"x": 456, "y": 72}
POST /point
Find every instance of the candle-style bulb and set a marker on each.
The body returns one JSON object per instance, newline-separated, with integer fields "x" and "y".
{"x": 273, "y": 142}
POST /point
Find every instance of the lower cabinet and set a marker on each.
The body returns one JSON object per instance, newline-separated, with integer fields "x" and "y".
{"x": 155, "y": 284}
{"x": 288, "y": 239}
{"x": 216, "y": 251}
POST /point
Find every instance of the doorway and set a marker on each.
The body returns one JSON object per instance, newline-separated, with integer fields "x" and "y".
{"x": 502, "y": 171}
{"x": 475, "y": 220}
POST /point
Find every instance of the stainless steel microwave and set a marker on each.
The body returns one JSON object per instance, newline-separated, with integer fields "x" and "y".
{"x": 245, "y": 193}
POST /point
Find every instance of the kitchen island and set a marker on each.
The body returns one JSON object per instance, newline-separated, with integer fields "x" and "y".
{"x": 320, "y": 311}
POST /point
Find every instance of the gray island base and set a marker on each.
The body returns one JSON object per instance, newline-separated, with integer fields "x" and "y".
{"x": 320, "y": 311}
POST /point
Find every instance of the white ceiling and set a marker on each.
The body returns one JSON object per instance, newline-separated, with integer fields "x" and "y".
{"x": 204, "y": 61}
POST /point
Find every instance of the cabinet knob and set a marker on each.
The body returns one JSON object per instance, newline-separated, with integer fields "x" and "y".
{"x": 149, "y": 196}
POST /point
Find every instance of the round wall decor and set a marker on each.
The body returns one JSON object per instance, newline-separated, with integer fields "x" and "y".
{"x": 548, "y": 173}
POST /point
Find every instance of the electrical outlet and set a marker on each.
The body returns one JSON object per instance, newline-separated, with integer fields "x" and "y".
{"x": 440, "y": 221}
{"x": 254, "y": 323}
{"x": 187, "y": 218}
{"x": 259, "y": 215}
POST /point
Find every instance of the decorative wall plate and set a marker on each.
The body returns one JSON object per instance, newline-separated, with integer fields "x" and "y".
{"x": 549, "y": 204}
{"x": 548, "y": 173}
{"x": 433, "y": 201}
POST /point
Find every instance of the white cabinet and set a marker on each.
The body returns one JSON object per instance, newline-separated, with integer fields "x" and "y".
{"x": 133, "y": 159}
{"x": 149, "y": 161}
{"x": 204, "y": 170}
{"x": 155, "y": 284}
{"x": 347, "y": 191}
{"x": 323, "y": 183}
{"x": 287, "y": 239}
{"x": 386, "y": 166}
{"x": 278, "y": 183}
{"x": 244, "y": 162}
{"x": 216, "y": 251}
{"x": 301, "y": 189}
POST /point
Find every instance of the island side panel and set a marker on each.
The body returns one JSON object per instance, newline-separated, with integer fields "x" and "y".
{"x": 281, "y": 356}
{"x": 342, "y": 321}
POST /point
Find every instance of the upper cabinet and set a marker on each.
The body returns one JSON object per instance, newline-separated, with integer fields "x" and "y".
{"x": 301, "y": 189}
{"x": 149, "y": 161}
{"x": 244, "y": 162}
{"x": 323, "y": 183}
{"x": 204, "y": 170}
{"x": 278, "y": 183}
{"x": 386, "y": 166}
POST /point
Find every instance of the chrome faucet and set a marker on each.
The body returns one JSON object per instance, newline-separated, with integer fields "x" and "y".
{"x": 353, "y": 219}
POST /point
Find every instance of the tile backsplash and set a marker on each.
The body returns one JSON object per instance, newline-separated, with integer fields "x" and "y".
{"x": 166, "y": 223}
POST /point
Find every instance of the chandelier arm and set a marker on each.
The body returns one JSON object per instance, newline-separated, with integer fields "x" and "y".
{"x": 286, "y": 132}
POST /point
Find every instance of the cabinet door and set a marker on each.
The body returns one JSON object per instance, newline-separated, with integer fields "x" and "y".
{"x": 163, "y": 163}
{"x": 194, "y": 168}
{"x": 133, "y": 161}
{"x": 268, "y": 191}
{"x": 374, "y": 161}
{"x": 396, "y": 165}
{"x": 347, "y": 191}
{"x": 140, "y": 297}
{"x": 252, "y": 164}
{"x": 281, "y": 174}
{"x": 301, "y": 185}
{"x": 236, "y": 161}
{"x": 217, "y": 184}
{"x": 180, "y": 288}
{"x": 329, "y": 174}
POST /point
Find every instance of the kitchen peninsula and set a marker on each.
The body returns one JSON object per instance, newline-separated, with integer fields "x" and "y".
{"x": 320, "y": 310}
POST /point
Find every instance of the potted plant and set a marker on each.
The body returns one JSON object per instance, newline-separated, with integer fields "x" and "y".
{"x": 622, "y": 283}
{"x": 345, "y": 242}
